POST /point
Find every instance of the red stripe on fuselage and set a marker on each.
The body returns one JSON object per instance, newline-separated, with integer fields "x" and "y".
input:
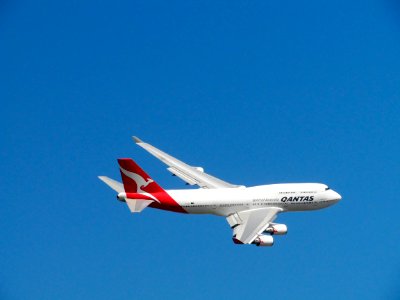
{"x": 166, "y": 202}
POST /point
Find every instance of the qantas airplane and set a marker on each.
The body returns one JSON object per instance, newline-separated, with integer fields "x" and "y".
{"x": 250, "y": 211}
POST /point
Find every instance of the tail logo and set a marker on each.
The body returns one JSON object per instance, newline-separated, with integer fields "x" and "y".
{"x": 140, "y": 183}
{"x": 135, "y": 180}
{"x": 139, "y": 180}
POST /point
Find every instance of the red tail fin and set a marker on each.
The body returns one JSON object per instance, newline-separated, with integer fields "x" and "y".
{"x": 135, "y": 179}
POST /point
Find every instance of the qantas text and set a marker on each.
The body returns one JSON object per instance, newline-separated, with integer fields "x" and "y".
{"x": 297, "y": 199}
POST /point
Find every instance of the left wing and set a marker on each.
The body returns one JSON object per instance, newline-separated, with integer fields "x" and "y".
{"x": 192, "y": 175}
{"x": 248, "y": 224}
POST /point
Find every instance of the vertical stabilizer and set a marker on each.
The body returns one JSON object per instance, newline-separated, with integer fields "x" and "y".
{"x": 136, "y": 180}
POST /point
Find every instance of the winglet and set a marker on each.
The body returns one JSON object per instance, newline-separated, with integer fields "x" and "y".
{"x": 136, "y": 139}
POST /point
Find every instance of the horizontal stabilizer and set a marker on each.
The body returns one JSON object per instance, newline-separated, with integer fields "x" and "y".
{"x": 115, "y": 185}
{"x": 136, "y": 206}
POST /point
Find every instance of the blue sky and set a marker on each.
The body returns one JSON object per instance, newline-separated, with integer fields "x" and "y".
{"x": 255, "y": 92}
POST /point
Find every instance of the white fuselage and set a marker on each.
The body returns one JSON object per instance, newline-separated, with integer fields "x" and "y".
{"x": 288, "y": 197}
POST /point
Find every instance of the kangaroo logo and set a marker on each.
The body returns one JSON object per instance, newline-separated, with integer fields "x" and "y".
{"x": 140, "y": 182}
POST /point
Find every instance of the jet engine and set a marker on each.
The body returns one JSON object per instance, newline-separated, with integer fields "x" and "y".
{"x": 279, "y": 229}
{"x": 264, "y": 240}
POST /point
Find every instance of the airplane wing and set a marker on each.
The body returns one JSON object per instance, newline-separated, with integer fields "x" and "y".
{"x": 248, "y": 224}
{"x": 191, "y": 175}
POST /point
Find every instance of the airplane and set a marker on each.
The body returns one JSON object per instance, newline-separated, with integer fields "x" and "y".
{"x": 250, "y": 211}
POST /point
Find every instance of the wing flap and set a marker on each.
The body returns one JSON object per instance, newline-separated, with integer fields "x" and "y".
{"x": 182, "y": 176}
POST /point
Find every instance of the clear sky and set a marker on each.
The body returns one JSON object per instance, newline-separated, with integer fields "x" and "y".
{"x": 255, "y": 92}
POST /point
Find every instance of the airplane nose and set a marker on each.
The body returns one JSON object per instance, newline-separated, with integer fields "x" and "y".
{"x": 337, "y": 196}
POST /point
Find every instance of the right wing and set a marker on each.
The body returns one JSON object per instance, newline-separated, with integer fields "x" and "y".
{"x": 189, "y": 174}
{"x": 248, "y": 224}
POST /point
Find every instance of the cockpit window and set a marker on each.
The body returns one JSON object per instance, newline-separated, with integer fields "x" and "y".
{"x": 327, "y": 188}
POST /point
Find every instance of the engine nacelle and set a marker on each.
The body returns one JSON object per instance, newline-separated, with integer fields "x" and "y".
{"x": 264, "y": 240}
{"x": 278, "y": 229}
